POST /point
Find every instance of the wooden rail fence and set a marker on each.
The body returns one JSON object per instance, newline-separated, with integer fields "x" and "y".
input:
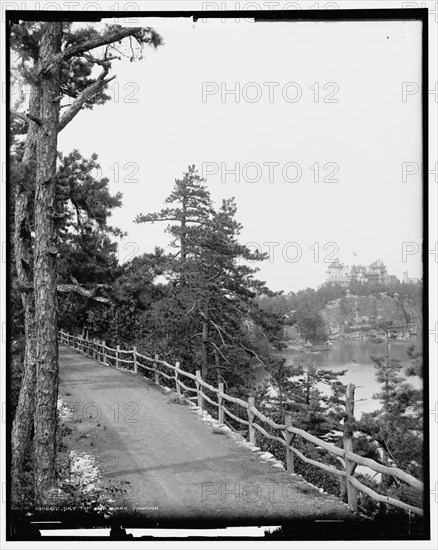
{"x": 118, "y": 358}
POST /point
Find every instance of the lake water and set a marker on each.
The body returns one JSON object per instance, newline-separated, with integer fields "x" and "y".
{"x": 354, "y": 355}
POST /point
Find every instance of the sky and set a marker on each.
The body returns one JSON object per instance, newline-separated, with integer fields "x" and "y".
{"x": 317, "y": 143}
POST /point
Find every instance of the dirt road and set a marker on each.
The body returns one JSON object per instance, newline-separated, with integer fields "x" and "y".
{"x": 175, "y": 465}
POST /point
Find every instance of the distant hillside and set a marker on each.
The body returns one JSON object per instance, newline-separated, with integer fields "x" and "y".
{"x": 336, "y": 311}
{"x": 359, "y": 316}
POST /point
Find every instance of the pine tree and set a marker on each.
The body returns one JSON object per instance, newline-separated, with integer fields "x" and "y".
{"x": 190, "y": 212}
{"x": 393, "y": 435}
{"x": 55, "y": 62}
{"x": 212, "y": 306}
{"x": 83, "y": 208}
{"x": 298, "y": 391}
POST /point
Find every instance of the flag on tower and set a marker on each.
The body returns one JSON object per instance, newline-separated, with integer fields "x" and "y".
{"x": 354, "y": 253}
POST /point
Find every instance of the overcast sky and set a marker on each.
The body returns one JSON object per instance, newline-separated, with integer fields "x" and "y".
{"x": 334, "y": 104}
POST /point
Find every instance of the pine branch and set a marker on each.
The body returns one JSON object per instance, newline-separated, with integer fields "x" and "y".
{"x": 98, "y": 61}
{"x": 252, "y": 352}
{"x": 83, "y": 97}
{"x": 219, "y": 331}
{"x": 219, "y": 351}
{"x": 27, "y": 118}
{"x": 108, "y": 38}
{"x": 145, "y": 218}
{"x": 143, "y": 35}
{"x": 82, "y": 291}
{"x": 194, "y": 336}
{"x": 389, "y": 452}
{"x": 192, "y": 308}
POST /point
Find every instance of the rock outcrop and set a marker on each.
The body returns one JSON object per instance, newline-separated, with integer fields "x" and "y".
{"x": 360, "y": 316}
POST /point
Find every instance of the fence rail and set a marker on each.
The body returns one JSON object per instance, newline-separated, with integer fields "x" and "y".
{"x": 101, "y": 352}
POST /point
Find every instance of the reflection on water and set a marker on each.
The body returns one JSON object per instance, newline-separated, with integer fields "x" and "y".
{"x": 354, "y": 356}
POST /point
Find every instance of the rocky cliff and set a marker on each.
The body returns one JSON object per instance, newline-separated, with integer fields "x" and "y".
{"x": 358, "y": 316}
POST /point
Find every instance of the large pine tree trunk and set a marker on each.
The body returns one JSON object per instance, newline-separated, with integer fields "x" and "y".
{"x": 45, "y": 264}
{"x": 24, "y": 415}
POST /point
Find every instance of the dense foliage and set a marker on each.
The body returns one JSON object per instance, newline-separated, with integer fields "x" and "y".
{"x": 195, "y": 305}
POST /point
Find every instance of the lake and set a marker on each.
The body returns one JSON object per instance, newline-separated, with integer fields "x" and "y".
{"x": 354, "y": 355}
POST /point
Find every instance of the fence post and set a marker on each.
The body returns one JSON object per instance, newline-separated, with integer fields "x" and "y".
{"x": 198, "y": 390}
{"x": 94, "y": 349}
{"x": 348, "y": 446}
{"x": 117, "y": 356}
{"x": 134, "y": 353}
{"x": 288, "y": 438}
{"x": 252, "y": 432}
{"x": 104, "y": 352}
{"x": 178, "y": 387}
{"x": 157, "y": 376}
{"x": 220, "y": 410}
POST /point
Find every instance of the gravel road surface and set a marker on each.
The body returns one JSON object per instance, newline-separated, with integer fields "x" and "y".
{"x": 174, "y": 465}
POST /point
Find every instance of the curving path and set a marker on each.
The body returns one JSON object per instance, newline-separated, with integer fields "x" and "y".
{"x": 174, "y": 465}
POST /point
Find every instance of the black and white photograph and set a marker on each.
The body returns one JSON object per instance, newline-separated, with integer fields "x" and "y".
{"x": 219, "y": 274}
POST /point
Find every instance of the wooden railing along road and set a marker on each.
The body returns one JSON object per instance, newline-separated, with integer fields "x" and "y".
{"x": 118, "y": 357}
